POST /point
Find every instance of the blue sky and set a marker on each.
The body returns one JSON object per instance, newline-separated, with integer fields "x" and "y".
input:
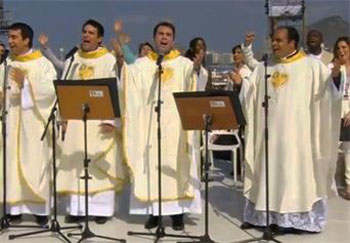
{"x": 222, "y": 23}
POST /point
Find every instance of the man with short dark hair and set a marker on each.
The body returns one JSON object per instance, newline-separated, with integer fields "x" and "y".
{"x": 180, "y": 184}
{"x": 92, "y": 61}
{"x": 29, "y": 101}
{"x": 314, "y": 41}
{"x": 301, "y": 138}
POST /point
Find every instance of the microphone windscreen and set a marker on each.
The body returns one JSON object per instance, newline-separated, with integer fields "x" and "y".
{"x": 160, "y": 59}
{"x": 71, "y": 52}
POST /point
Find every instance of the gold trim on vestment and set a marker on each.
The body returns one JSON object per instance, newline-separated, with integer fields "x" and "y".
{"x": 110, "y": 147}
{"x": 294, "y": 58}
{"x": 123, "y": 119}
{"x": 28, "y": 57}
{"x": 186, "y": 197}
{"x": 93, "y": 54}
{"x": 70, "y": 192}
{"x": 16, "y": 202}
{"x": 125, "y": 153}
{"x": 116, "y": 187}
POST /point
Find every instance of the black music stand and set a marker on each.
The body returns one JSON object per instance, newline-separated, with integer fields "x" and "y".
{"x": 206, "y": 111}
{"x": 88, "y": 100}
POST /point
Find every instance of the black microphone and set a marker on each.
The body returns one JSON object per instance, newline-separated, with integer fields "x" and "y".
{"x": 4, "y": 56}
{"x": 160, "y": 59}
{"x": 265, "y": 57}
{"x": 71, "y": 52}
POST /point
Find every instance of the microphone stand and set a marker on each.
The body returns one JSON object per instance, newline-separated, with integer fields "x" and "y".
{"x": 160, "y": 231}
{"x": 5, "y": 219}
{"x": 87, "y": 233}
{"x": 206, "y": 237}
{"x": 55, "y": 226}
{"x": 267, "y": 235}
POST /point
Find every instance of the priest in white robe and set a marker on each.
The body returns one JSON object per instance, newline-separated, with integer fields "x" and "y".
{"x": 92, "y": 61}
{"x": 301, "y": 139}
{"x": 29, "y": 99}
{"x": 180, "y": 183}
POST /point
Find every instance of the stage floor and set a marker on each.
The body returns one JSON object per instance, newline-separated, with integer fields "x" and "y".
{"x": 225, "y": 214}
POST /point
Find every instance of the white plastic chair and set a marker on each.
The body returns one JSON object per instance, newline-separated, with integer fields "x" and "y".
{"x": 218, "y": 147}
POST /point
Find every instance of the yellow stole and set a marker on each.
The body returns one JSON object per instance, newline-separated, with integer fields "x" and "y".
{"x": 93, "y": 54}
{"x": 28, "y": 57}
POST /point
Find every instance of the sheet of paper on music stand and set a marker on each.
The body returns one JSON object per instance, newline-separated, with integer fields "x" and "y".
{"x": 101, "y": 95}
{"x": 223, "y": 107}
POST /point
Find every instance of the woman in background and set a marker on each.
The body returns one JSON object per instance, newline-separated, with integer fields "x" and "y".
{"x": 341, "y": 71}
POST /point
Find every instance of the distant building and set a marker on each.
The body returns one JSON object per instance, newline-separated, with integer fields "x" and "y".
{"x": 225, "y": 58}
{"x": 212, "y": 58}
{"x": 216, "y": 58}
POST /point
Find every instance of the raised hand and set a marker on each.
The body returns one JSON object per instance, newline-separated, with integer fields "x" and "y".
{"x": 249, "y": 38}
{"x": 198, "y": 59}
{"x": 118, "y": 26}
{"x": 43, "y": 40}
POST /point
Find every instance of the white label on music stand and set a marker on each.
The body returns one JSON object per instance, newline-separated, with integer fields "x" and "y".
{"x": 217, "y": 104}
{"x": 96, "y": 93}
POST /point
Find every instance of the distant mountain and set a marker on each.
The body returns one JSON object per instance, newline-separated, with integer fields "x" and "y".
{"x": 331, "y": 27}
